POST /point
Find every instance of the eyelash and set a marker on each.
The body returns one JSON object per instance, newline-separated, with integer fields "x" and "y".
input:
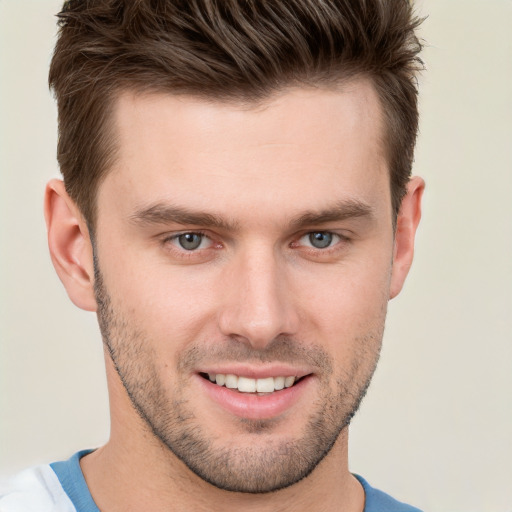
{"x": 322, "y": 249}
{"x": 184, "y": 253}
{"x": 168, "y": 241}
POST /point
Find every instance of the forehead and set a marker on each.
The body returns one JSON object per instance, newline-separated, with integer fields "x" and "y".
{"x": 298, "y": 147}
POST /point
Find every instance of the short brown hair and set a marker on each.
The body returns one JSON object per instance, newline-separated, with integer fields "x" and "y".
{"x": 225, "y": 49}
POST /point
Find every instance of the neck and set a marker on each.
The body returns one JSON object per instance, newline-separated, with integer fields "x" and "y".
{"x": 121, "y": 476}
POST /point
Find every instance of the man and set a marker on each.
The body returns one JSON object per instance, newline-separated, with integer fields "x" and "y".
{"x": 237, "y": 207}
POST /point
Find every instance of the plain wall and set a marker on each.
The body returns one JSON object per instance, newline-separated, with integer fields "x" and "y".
{"x": 436, "y": 427}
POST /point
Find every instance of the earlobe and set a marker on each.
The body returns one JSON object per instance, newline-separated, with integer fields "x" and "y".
{"x": 70, "y": 245}
{"x": 406, "y": 226}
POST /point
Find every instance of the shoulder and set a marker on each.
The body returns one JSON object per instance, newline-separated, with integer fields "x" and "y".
{"x": 378, "y": 501}
{"x": 34, "y": 490}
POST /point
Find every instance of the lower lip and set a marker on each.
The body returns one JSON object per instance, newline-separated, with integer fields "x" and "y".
{"x": 255, "y": 407}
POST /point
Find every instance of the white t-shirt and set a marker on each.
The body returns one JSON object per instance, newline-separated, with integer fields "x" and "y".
{"x": 34, "y": 490}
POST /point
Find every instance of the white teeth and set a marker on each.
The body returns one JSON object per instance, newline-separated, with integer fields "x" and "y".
{"x": 279, "y": 383}
{"x": 248, "y": 385}
{"x": 231, "y": 381}
{"x": 289, "y": 381}
{"x": 265, "y": 385}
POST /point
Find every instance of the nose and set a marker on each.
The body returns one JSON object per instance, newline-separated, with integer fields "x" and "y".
{"x": 258, "y": 303}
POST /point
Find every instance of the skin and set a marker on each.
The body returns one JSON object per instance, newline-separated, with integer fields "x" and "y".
{"x": 256, "y": 291}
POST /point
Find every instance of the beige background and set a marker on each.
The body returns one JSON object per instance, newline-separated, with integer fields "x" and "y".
{"x": 436, "y": 428}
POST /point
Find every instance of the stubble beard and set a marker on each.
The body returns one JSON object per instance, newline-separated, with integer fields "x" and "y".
{"x": 257, "y": 467}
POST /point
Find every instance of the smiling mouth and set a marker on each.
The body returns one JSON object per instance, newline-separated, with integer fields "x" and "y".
{"x": 248, "y": 385}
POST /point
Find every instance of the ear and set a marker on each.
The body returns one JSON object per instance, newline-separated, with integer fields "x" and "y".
{"x": 70, "y": 245}
{"x": 406, "y": 225}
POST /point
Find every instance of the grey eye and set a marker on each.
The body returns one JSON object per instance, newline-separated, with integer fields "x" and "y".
{"x": 190, "y": 241}
{"x": 320, "y": 239}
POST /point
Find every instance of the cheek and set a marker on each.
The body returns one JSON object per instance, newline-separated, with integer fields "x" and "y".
{"x": 169, "y": 305}
{"x": 350, "y": 306}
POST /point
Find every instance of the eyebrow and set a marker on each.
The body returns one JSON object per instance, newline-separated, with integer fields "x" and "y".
{"x": 342, "y": 210}
{"x": 167, "y": 214}
{"x": 160, "y": 214}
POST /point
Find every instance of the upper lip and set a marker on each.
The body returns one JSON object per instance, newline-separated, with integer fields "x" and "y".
{"x": 256, "y": 372}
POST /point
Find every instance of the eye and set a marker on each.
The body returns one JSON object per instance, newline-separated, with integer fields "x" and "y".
{"x": 191, "y": 241}
{"x": 320, "y": 239}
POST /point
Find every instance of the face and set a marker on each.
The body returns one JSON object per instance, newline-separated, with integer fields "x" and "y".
{"x": 243, "y": 266}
